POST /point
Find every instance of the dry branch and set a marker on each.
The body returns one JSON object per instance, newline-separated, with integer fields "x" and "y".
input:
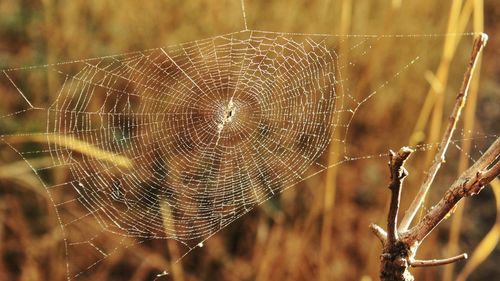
{"x": 400, "y": 246}
{"x": 479, "y": 43}
{"x": 469, "y": 183}
{"x": 398, "y": 252}
{"x": 398, "y": 173}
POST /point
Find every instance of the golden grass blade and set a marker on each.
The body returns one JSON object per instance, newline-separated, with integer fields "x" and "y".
{"x": 173, "y": 249}
{"x": 334, "y": 155}
{"x": 441, "y": 77}
{"x": 75, "y": 145}
{"x": 89, "y": 150}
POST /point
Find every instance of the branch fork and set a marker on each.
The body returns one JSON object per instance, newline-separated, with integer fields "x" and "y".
{"x": 400, "y": 245}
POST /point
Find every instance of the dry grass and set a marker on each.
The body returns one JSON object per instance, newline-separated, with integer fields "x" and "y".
{"x": 317, "y": 230}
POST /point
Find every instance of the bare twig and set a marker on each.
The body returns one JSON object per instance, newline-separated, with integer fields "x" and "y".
{"x": 400, "y": 246}
{"x": 379, "y": 232}
{"x": 469, "y": 183}
{"x": 399, "y": 250}
{"x": 398, "y": 173}
{"x": 395, "y": 254}
{"x": 427, "y": 263}
{"x": 483, "y": 178}
{"x": 479, "y": 43}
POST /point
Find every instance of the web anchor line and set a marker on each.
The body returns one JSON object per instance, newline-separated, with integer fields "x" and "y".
{"x": 243, "y": 11}
{"x": 20, "y": 92}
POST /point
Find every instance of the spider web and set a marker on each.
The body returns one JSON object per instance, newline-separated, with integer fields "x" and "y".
{"x": 178, "y": 142}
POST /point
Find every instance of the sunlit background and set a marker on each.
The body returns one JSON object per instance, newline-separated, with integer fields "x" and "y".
{"x": 318, "y": 229}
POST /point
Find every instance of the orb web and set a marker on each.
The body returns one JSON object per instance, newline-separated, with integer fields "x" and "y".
{"x": 176, "y": 143}
{"x": 212, "y": 128}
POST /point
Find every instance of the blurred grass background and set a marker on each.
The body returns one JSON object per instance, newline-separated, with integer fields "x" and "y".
{"x": 317, "y": 230}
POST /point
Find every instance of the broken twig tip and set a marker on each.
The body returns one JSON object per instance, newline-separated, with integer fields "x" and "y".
{"x": 379, "y": 232}
{"x": 407, "y": 149}
{"x": 483, "y": 37}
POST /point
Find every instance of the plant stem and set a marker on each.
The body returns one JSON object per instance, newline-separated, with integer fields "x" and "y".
{"x": 469, "y": 183}
{"x": 479, "y": 43}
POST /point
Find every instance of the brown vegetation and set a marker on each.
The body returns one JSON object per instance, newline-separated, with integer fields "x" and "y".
{"x": 317, "y": 230}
